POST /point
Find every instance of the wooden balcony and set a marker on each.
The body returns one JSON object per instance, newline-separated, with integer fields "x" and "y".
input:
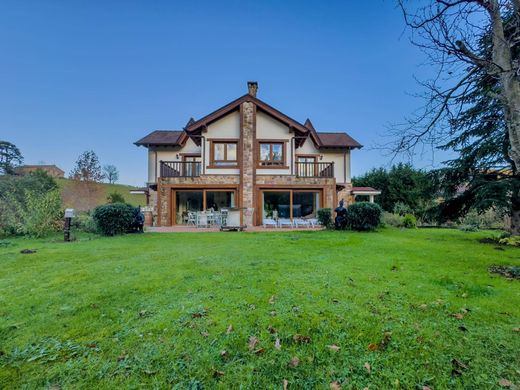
{"x": 180, "y": 168}
{"x": 314, "y": 169}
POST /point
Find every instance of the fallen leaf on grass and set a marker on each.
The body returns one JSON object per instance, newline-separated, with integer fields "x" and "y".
{"x": 333, "y": 347}
{"x": 271, "y": 300}
{"x": 223, "y": 354}
{"x": 294, "y": 362}
{"x": 367, "y": 367}
{"x": 259, "y": 351}
{"x": 277, "y": 344}
{"x": 335, "y": 385}
{"x": 273, "y": 313}
{"x": 458, "y": 367}
{"x": 426, "y": 388}
{"x": 301, "y": 339}
{"x": 424, "y": 306}
{"x": 458, "y": 316}
{"x": 217, "y": 373}
{"x": 271, "y": 329}
{"x": 285, "y": 384}
{"x": 516, "y": 330}
{"x": 229, "y": 329}
{"x": 252, "y": 342}
{"x": 387, "y": 337}
{"x": 507, "y": 383}
{"x": 372, "y": 347}
{"x": 204, "y": 334}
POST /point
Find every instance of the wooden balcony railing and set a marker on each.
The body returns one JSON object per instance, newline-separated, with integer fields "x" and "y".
{"x": 180, "y": 168}
{"x": 314, "y": 169}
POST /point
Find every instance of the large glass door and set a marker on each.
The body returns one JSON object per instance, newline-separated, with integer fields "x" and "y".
{"x": 187, "y": 201}
{"x": 290, "y": 204}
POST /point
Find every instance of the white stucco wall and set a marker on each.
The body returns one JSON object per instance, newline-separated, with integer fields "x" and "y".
{"x": 269, "y": 128}
{"x": 227, "y": 127}
{"x": 167, "y": 154}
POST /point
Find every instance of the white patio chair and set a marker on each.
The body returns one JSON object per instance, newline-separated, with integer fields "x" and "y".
{"x": 314, "y": 222}
{"x": 192, "y": 218}
{"x": 202, "y": 220}
{"x": 285, "y": 222}
{"x": 300, "y": 222}
{"x": 270, "y": 222}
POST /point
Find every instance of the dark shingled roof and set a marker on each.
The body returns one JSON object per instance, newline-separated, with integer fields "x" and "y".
{"x": 337, "y": 140}
{"x": 161, "y": 137}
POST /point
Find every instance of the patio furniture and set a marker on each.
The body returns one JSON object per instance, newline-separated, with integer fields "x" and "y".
{"x": 232, "y": 221}
{"x": 191, "y": 218}
{"x": 314, "y": 222}
{"x": 300, "y": 222}
{"x": 285, "y": 222}
{"x": 270, "y": 222}
{"x": 202, "y": 220}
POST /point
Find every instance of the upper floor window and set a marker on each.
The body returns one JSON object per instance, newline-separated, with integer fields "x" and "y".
{"x": 224, "y": 153}
{"x": 272, "y": 153}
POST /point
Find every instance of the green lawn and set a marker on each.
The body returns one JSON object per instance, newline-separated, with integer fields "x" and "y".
{"x": 184, "y": 311}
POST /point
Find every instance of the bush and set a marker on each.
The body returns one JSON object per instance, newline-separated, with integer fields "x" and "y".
{"x": 115, "y": 218}
{"x": 364, "y": 216}
{"x": 84, "y": 222}
{"x": 325, "y": 217}
{"x": 43, "y": 213}
{"x": 392, "y": 219}
{"x": 468, "y": 228}
{"x": 115, "y": 197}
{"x": 511, "y": 241}
{"x": 402, "y": 209}
{"x": 409, "y": 221}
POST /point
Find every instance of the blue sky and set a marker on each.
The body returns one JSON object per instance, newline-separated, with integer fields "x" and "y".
{"x": 78, "y": 75}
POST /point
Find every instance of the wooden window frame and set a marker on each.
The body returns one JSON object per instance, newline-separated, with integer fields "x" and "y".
{"x": 274, "y": 164}
{"x": 213, "y": 164}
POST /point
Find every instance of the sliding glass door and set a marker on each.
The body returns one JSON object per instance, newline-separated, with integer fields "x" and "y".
{"x": 185, "y": 201}
{"x": 290, "y": 204}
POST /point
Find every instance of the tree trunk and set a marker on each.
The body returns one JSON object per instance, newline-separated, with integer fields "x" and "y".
{"x": 503, "y": 65}
{"x": 515, "y": 217}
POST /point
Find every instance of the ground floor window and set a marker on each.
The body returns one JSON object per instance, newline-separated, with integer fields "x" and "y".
{"x": 192, "y": 201}
{"x": 290, "y": 204}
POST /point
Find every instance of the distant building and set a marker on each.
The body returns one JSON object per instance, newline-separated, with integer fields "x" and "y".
{"x": 52, "y": 170}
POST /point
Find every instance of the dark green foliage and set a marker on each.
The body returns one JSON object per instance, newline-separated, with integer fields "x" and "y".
{"x": 10, "y": 157}
{"x": 115, "y": 218}
{"x": 409, "y": 221}
{"x": 402, "y": 184}
{"x": 325, "y": 217}
{"x": 84, "y": 222}
{"x": 29, "y": 204}
{"x": 115, "y": 197}
{"x": 483, "y": 176}
{"x": 363, "y": 216}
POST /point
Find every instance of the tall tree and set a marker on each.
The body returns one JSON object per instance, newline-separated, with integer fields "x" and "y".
{"x": 87, "y": 168}
{"x": 111, "y": 173}
{"x": 10, "y": 157}
{"x": 400, "y": 184}
{"x": 472, "y": 103}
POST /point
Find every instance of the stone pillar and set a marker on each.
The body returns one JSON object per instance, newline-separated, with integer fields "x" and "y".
{"x": 247, "y": 169}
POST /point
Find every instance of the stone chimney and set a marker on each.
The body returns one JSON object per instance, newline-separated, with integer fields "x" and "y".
{"x": 252, "y": 87}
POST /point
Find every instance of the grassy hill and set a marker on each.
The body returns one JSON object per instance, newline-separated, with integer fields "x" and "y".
{"x": 85, "y": 196}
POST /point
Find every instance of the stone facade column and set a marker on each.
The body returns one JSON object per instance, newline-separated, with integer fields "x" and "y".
{"x": 247, "y": 168}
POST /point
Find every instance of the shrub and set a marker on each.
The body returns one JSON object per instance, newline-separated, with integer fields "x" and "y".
{"x": 392, "y": 219}
{"x": 409, "y": 221}
{"x": 43, "y": 213}
{"x": 468, "y": 228}
{"x": 364, "y": 216}
{"x": 112, "y": 219}
{"x": 84, "y": 222}
{"x": 401, "y": 209}
{"x": 115, "y": 197}
{"x": 511, "y": 241}
{"x": 325, "y": 217}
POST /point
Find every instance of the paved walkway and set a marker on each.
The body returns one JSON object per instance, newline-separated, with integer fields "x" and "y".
{"x": 193, "y": 229}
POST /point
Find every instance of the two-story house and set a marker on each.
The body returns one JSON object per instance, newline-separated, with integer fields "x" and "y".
{"x": 251, "y": 156}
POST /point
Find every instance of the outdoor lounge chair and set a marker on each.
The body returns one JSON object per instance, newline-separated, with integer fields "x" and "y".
{"x": 285, "y": 222}
{"x": 314, "y": 222}
{"x": 299, "y": 222}
{"x": 270, "y": 222}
